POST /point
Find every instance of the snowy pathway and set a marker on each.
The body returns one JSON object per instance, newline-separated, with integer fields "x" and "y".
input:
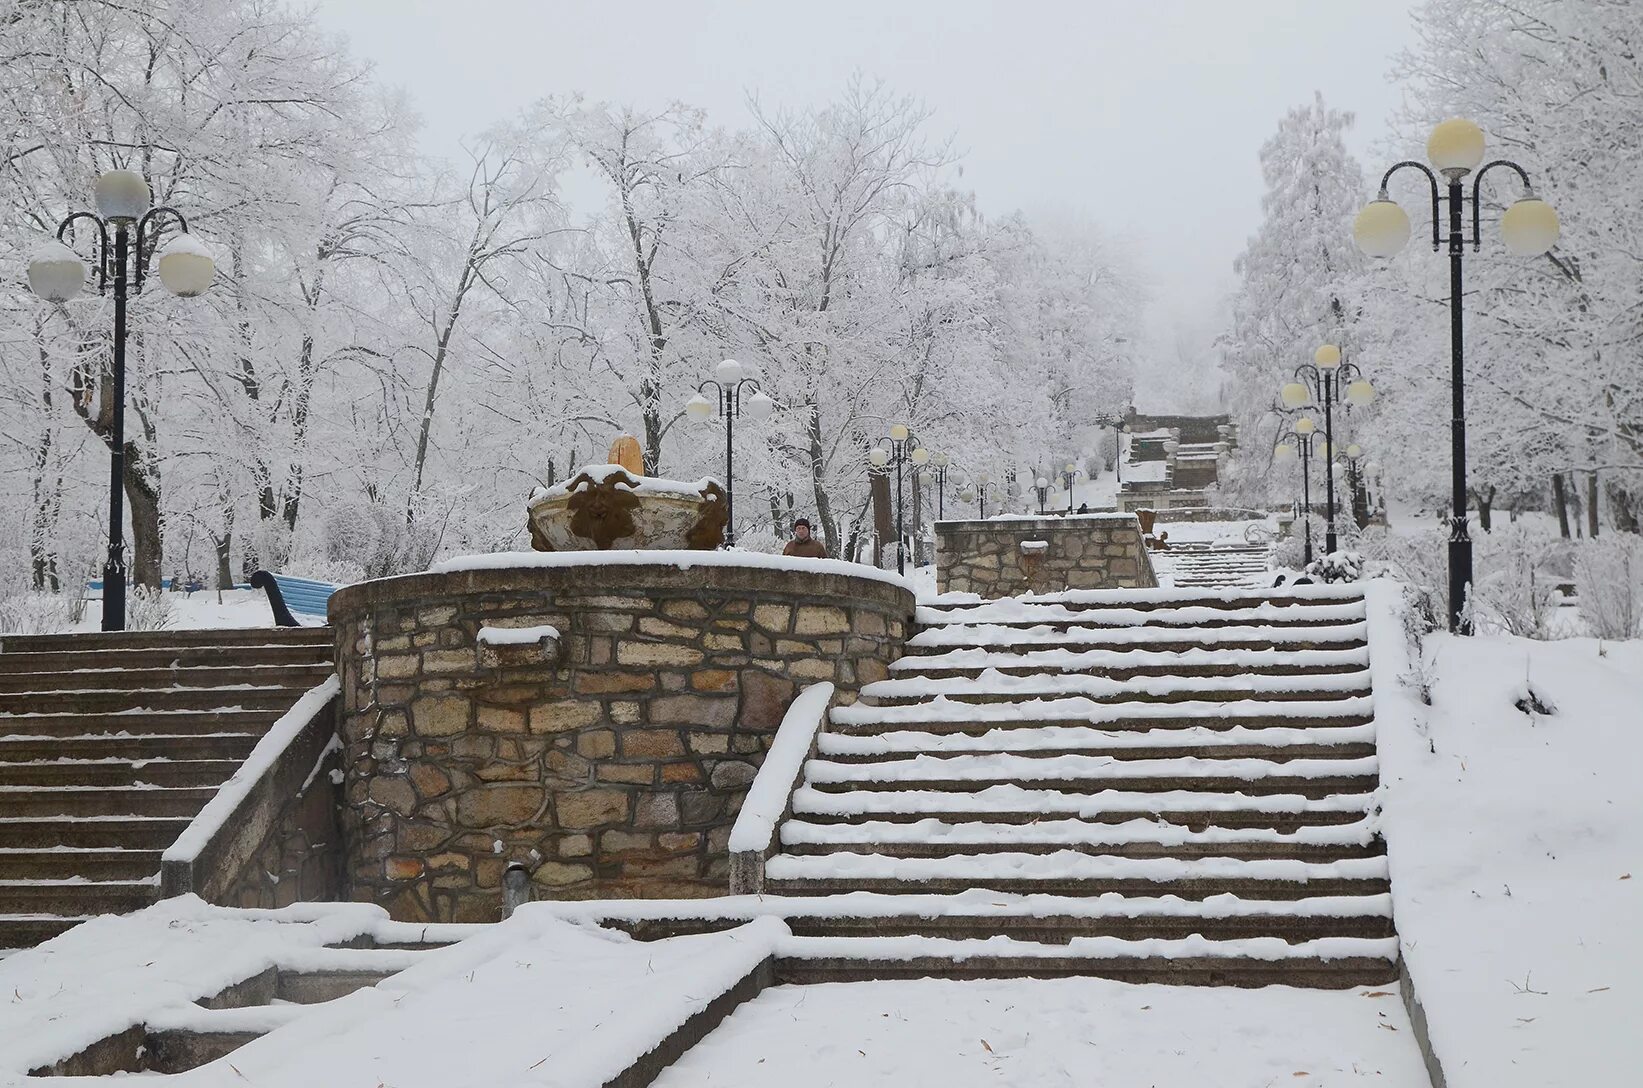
{"x": 1077, "y": 1031}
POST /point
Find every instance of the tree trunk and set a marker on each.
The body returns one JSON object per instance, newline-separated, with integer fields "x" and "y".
{"x": 1622, "y": 509}
{"x": 142, "y": 484}
{"x": 824, "y": 504}
{"x": 1560, "y": 502}
{"x": 1591, "y": 505}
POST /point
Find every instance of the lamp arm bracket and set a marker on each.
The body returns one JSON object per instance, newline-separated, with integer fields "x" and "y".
{"x": 1477, "y": 183}
{"x": 102, "y": 243}
{"x": 1432, "y": 180}
{"x": 139, "y": 266}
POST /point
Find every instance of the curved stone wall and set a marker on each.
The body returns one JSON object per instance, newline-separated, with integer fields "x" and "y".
{"x": 611, "y": 760}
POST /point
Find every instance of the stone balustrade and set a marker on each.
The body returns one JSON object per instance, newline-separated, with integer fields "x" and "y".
{"x": 610, "y": 760}
{"x": 1003, "y": 557}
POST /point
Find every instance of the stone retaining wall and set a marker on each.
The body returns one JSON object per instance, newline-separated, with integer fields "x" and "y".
{"x": 1003, "y": 557}
{"x": 610, "y": 761}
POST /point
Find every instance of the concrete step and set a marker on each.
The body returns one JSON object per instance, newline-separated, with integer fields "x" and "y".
{"x": 257, "y": 697}
{"x": 168, "y": 657}
{"x": 1062, "y": 929}
{"x": 834, "y": 964}
{"x": 77, "y": 898}
{"x": 1074, "y": 637}
{"x": 92, "y": 864}
{"x": 1164, "y": 688}
{"x": 183, "y": 638}
{"x": 873, "y": 721}
{"x": 835, "y": 753}
{"x": 129, "y": 723}
{"x": 104, "y": 800}
{"x": 18, "y": 930}
{"x": 918, "y": 668}
{"x": 158, "y": 772}
{"x": 1186, "y": 889}
{"x": 1131, "y": 839}
{"x": 109, "y": 833}
{"x": 185, "y": 746}
{"x": 304, "y": 675}
{"x": 1196, "y": 810}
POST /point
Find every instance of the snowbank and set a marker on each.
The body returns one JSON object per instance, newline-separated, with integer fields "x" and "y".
{"x": 1084, "y": 1032}
{"x": 1515, "y": 849}
{"x": 533, "y": 1000}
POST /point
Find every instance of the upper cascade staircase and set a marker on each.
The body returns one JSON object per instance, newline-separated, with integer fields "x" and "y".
{"x": 1194, "y": 564}
{"x": 110, "y": 743}
{"x": 1155, "y": 785}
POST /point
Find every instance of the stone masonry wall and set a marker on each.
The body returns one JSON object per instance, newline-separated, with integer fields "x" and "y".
{"x": 301, "y": 860}
{"x": 1003, "y": 557}
{"x": 610, "y": 762}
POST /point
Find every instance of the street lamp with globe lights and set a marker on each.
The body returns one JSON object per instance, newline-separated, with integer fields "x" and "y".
{"x": 1042, "y": 486}
{"x": 940, "y": 463}
{"x": 728, "y": 382}
{"x": 1529, "y": 228}
{"x": 903, "y": 448}
{"x": 56, "y": 274}
{"x": 1327, "y": 380}
{"x": 1300, "y": 439}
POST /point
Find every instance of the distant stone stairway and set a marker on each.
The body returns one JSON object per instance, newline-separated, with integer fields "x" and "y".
{"x": 1192, "y": 565}
{"x": 1159, "y": 786}
{"x": 111, "y": 743}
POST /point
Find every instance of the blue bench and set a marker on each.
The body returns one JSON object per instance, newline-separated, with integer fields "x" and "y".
{"x": 291, "y": 598}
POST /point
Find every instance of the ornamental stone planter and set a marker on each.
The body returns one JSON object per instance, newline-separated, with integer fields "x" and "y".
{"x": 609, "y": 761}
{"x": 1003, "y": 557}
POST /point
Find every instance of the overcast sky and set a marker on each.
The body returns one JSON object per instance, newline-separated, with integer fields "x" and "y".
{"x": 1144, "y": 115}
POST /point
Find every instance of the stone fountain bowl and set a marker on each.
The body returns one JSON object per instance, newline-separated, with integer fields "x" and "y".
{"x": 605, "y": 506}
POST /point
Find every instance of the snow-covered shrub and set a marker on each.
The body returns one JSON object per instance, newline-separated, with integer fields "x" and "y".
{"x": 1290, "y": 551}
{"x": 376, "y": 538}
{"x": 34, "y": 613}
{"x": 341, "y": 572}
{"x": 760, "y": 539}
{"x": 147, "y": 609}
{"x": 1336, "y": 567}
{"x": 1513, "y": 592}
{"x": 1609, "y": 582}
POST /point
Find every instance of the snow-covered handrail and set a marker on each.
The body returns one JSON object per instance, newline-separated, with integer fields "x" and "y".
{"x": 753, "y": 836}
{"x": 229, "y": 830}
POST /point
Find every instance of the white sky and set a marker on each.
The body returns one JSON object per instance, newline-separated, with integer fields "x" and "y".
{"x": 1143, "y": 115}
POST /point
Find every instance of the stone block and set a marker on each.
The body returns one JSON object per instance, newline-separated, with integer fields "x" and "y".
{"x": 606, "y": 683}
{"x": 697, "y": 710}
{"x": 652, "y": 743}
{"x": 630, "y": 774}
{"x": 713, "y": 680}
{"x": 773, "y": 617}
{"x": 557, "y": 717}
{"x": 656, "y": 653}
{"x": 591, "y": 808}
{"x": 555, "y": 874}
{"x": 660, "y": 628}
{"x": 765, "y": 698}
{"x": 656, "y": 810}
{"x": 819, "y": 619}
{"x": 402, "y": 868}
{"x": 435, "y": 661}
{"x": 490, "y": 806}
{"x": 397, "y": 666}
{"x": 684, "y": 610}
{"x": 499, "y": 719}
{"x": 731, "y": 774}
{"x": 596, "y": 744}
{"x": 439, "y": 715}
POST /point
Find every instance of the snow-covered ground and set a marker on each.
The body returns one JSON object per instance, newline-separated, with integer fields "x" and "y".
{"x": 205, "y": 608}
{"x": 1088, "y": 1032}
{"x": 1516, "y": 849}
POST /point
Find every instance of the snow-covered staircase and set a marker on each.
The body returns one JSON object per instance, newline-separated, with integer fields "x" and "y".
{"x": 1193, "y": 564}
{"x": 1152, "y": 785}
{"x": 111, "y": 743}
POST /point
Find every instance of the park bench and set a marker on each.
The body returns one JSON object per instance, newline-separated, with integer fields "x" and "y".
{"x": 297, "y": 602}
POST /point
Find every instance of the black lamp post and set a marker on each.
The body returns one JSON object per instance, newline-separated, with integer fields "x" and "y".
{"x": 1300, "y": 439}
{"x": 983, "y": 481}
{"x": 1327, "y": 380}
{"x": 939, "y": 463}
{"x": 728, "y": 383}
{"x": 57, "y": 274}
{"x": 1069, "y": 476}
{"x": 1042, "y": 486}
{"x": 902, "y": 448}
{"x": 1118, "y": 425}
{"x": 1529, "y": 228}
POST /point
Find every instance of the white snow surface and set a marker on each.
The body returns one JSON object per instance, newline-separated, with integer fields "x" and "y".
{"x": 977, "y": 635}
{"x": 1055, "y": 737}
{"x": 642, "y": 485}
{"x": 1015, "y": 768}
{"x": 1516, "y": 851}
{"x": 1008, "y": 797}
{"x": 993, "y": 682}
{"x": 684, "y": 560}
{"x": 531, "y": 1001}
{"x": 220, "y": 808}
{"x": 515, "y": 636}
{"x": 1082, "y": 709}
{"x": 755, "y": 826}
{"x": 1067, "y": 865}
{"x": 1059, "y": 1033}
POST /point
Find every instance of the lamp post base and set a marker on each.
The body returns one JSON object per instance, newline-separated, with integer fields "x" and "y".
{"x": 114, "y": 598}
{"x": 1460, "y": 576}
